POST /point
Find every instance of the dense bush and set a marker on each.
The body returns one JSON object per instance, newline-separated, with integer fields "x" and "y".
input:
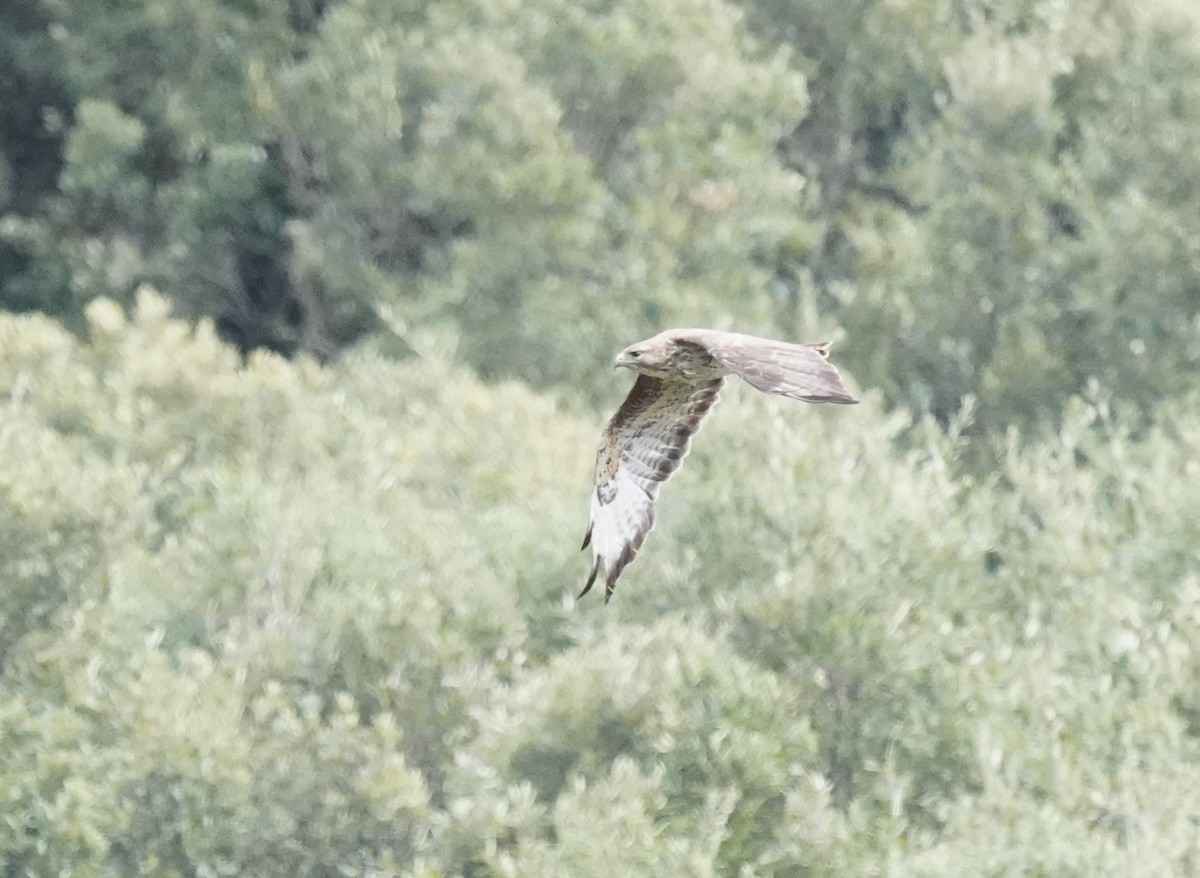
{"x": 278, "y": 619}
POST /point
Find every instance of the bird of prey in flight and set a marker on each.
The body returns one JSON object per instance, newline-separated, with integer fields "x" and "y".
{"x": 680, "y": 373}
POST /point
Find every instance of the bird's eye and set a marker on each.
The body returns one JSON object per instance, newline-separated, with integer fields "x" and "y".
{"x": 635, "y": 354}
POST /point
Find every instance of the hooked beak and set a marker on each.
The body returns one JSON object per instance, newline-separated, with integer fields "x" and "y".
{"x": 623, "y": 359}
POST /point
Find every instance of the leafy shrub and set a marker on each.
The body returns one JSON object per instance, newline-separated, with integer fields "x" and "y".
{"x": 266, "y": 618}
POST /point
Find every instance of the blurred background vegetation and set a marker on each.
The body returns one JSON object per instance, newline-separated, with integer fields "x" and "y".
{"x": 308, "y": 308}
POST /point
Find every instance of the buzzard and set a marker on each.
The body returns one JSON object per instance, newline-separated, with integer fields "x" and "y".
{"x": 680, "y": 373}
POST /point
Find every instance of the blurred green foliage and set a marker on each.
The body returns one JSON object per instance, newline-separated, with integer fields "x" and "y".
{"x": 307, "y": 309}
{"x": 988, "y": 200}
{"x": 277, "y": 619}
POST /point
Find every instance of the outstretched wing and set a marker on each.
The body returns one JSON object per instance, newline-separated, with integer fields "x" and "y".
{"x": 797, "y": 370}
{"x": 642, "y": 445}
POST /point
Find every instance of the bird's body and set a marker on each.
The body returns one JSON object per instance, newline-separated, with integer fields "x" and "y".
{"x": 680, "y": 375}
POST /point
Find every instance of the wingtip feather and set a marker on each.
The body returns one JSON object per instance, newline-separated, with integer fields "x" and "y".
{"x": 835, "y": 398}
{"x": 591, "y": 580}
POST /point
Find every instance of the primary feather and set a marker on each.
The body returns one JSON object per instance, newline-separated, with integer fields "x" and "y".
{"x": 680, "y": 374}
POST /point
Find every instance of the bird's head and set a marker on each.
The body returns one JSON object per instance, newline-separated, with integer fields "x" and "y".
{"x": 651, "y": 357}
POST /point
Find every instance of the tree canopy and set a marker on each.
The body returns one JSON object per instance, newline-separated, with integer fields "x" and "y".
{"x": 308, "y": 308}
{"x": 993, "y": 200}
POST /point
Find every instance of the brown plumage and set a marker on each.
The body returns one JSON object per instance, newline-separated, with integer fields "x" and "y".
{"x": 680, "y": 374}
